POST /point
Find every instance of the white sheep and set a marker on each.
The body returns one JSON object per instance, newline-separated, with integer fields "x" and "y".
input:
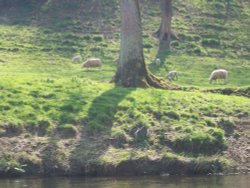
{"x": 158, "y": 61}
{"x": 77, "y": 58}
{"x": 116, "y": 60}
{"x": 172, "y": 75}
{"x": 219, "y": 74}
{"x": 92, "y": 63}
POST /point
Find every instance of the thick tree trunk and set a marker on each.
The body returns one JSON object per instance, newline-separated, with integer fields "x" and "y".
{"x": 132, "y": 71}
{"x": 131, "y": 68}
{"x": 164, "y": 32}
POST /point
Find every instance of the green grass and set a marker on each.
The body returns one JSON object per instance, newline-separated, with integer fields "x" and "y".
{"x": 43, "y": 105}
{"x": 31, "y": 60}
{"x": 43, "y": 92}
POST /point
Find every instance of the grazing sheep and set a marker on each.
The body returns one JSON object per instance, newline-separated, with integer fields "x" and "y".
{"x": 172, "y": 75}
{"x": 77, "y": 58}
{"x": 158, "y": 61}
{"x": 92, "y": 63}
{"x": 219, "y": 74}
{"x": 117, "y": 60}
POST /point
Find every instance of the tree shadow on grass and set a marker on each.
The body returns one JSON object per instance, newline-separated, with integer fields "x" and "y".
{"x": 103, "y": 109}
{"x": 163, "y": 56}
{"x": 94, "y": 138}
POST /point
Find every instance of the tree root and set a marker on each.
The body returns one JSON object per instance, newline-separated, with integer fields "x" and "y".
{"x": 156, "y": 82}
{"x": 156, "y": 34}
{"x": 152, "y": 81}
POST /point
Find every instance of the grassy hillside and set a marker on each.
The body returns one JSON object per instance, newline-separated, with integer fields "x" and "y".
{"x": 59, "y": 118}
{"x": 208, "y": 38}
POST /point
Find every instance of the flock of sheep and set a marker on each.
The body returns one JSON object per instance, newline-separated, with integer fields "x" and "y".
{"x": 218, "y": 74}
{"x": 90, "y": 63}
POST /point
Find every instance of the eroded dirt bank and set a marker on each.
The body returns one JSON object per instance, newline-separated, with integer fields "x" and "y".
{"x": 99, "y": 155}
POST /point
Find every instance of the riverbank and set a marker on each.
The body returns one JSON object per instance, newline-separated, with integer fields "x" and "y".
{"x": 39, "y": 156}
{"x": 57, "y": 118}
{"x": 117, "y": 132}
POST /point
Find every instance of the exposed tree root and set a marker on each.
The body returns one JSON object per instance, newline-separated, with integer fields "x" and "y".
{"x": 156, "y": 82}
{"x": 151, "y": 81}
{"x": 174, "y": 36}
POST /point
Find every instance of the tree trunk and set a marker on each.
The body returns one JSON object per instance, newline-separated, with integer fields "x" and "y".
{"x": 164, "y": 32}
{"x": 131, "y": 68}
{"x": 132, "y": 71}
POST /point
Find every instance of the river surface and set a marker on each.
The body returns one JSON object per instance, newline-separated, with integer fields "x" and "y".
{"x": 232, "y": 181}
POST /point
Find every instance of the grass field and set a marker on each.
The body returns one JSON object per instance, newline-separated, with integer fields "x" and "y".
{"x": 44, "y": 93}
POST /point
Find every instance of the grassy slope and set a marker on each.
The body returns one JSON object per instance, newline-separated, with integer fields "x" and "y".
{"x": 44, "y": 94}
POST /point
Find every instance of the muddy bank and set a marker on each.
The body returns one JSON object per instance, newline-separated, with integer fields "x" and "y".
{"x": 142, "y": 166}
{"x": 232, "y": 91}
{"x": 152, "y": 167}
{"x": 86, "y": 154}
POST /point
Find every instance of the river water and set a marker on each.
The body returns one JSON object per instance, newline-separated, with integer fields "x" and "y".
{"x": 232, "y": 181}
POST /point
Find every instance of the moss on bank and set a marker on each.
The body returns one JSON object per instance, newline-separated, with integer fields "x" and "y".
{"x": 59, "y": 119}
{"x": 93, "y": 128}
